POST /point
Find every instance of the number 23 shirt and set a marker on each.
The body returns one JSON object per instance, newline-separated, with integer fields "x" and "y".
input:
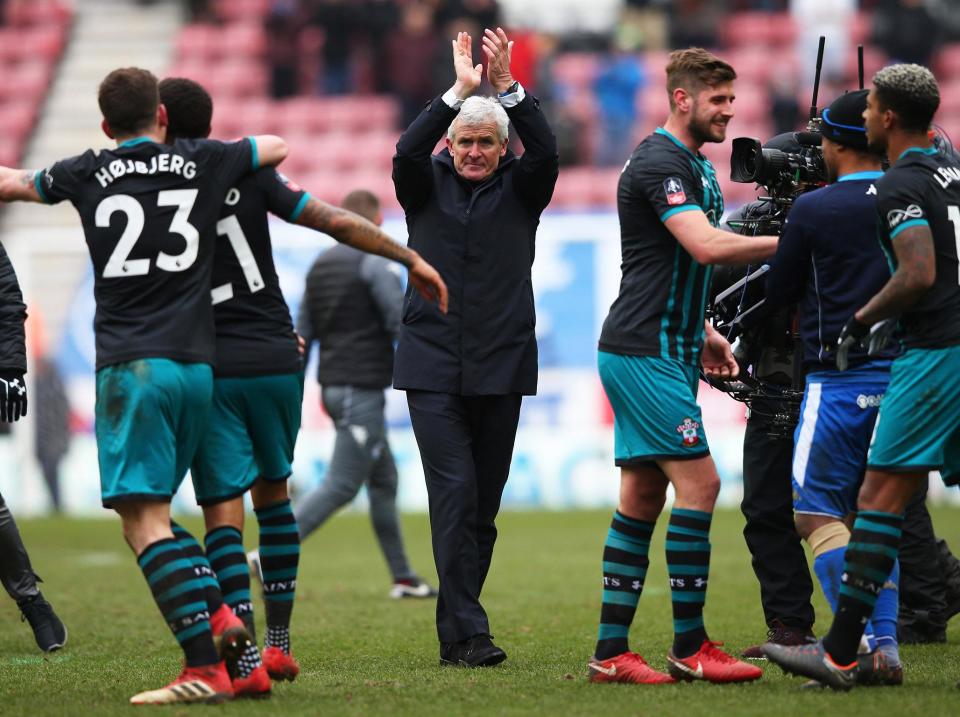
{"x": 149, "y": 213}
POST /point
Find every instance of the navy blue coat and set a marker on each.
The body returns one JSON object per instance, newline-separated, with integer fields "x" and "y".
{"x": 481, "y": 238}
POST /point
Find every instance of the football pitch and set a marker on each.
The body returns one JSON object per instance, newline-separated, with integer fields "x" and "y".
{"x": 362, "y": 653}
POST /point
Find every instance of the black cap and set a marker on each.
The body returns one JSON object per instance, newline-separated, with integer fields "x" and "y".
{"x": 843, "y": 120}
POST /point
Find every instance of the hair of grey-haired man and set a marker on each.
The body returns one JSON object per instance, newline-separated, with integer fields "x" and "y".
{"x": 476, "y": 110}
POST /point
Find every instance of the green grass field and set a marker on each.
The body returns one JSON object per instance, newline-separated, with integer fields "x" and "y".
{"x": 364, "y": 654}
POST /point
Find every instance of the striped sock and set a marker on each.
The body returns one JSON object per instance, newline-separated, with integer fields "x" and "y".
{"x": 688, "y": 564}
{"x": 869, "y": 560}
{"x": 279, "y": 558}
{"x": 179, "y": 594}
{"x": 201, "y": 566}
{"x": 625, "y": 565}
{"x": 226, "y": 555}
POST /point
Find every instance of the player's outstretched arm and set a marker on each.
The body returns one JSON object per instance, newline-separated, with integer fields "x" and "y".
{"x": 709, "y": 245}
{"x": 271, "y": 150}
{"x": 352, "y": 229}
{"x": 916, "y": 271}
{"x": 17, "y": 185}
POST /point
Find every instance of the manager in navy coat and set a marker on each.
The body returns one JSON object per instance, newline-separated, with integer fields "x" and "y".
{"x": 472, "y": 211}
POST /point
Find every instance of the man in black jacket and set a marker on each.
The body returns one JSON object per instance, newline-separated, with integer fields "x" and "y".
{"x": 472, "y": 211}
{"x": 16, "y": 573}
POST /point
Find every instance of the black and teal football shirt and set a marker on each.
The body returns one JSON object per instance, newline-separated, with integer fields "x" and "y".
{"x": 663, "y": 290}
{"x": 922, "y": 188}
{"x": 149, "y": 213}
{"x": 255, "y": 334}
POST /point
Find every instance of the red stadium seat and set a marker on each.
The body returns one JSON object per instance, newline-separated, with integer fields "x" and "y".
{"x": 38, "y": 12}
{"x": 196, "y": 42}
{"x": 243, "y": 40}
{"x": 236, "y": 79}
{"x": 241, "y": 9}
{"x": 17, "y": 119}
{"x": 860, "y": 28}
{"x": 27, "y": 81}
{"x": 947, "y": 61}
{"x": 745, "y": 28}
{"x": 873, "y": 60}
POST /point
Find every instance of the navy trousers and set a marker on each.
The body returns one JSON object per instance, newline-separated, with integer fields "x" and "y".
{"x": 466, "y": 444}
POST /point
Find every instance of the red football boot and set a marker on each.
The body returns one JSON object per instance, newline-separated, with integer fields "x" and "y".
{"x": 230, "y": 637}
{"x": 256, "y": 685}
{"x": 713, "y": 665}
{"x": 627, "y": 667}
{"x": 280, "y": 665}
{"x": 209, "y": 683}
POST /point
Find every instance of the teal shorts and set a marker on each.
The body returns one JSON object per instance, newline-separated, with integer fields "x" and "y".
{"x": 150, "y": 416}
{"x": 918, "y": 427}
{"x": 253, "y": 428}
{"x": 655, "y": 411}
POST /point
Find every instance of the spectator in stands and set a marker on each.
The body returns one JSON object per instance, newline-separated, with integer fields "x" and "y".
{"x": 483, "y": 13}
{"x": 339, "y": 20}
{"x": 694, "y": 23}
{"x": 619, "y": 78}
{"x": 284, "y": 23}
{"x": 785, "y": 111}
{"x": 554, "y": 101}
{"x": 381, "y": 18}
{"x": 906, "y": 31}
{"x": 411, "y": 57}
{"x": 832, "y": 19}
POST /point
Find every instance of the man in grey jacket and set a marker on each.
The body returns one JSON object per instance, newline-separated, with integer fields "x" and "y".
{"x": 351, "y": 306}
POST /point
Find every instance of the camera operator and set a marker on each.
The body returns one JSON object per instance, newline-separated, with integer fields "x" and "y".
{"x": 830, "y": 263}
{"x": 767, "y": 506}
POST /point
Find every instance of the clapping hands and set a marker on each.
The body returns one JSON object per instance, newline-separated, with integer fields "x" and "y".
{"x": 498, "y": 50}
{"x": 468, "y": 75}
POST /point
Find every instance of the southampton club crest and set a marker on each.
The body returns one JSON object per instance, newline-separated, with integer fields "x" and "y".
{"x": 673, "y": 188}
{"x": 688, "y": 429}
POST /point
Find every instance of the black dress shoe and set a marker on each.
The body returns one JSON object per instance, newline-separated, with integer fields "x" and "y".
{"x": 477, "y": 651}
{"x": 450, "y": 654}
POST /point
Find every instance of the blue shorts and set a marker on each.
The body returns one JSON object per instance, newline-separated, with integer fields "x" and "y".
{"x": 830, "y": 444}
{"x": 655, "y": 411}
{"x": 254, "y": 423}
{"x": 919, "y": 424}
{"x": 150, "y": 416}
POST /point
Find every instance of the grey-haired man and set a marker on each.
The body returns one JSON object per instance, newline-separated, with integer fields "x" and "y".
{"x": 472, "y": 210}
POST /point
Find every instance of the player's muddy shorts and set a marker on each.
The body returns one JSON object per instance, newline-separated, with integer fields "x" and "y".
{"x": 254, "y": 423}
{"x": 830, "y": 444}
{"x": 655, "y": 411}
{"x": 150, "y": 416}
{"x": 918, "y": 428}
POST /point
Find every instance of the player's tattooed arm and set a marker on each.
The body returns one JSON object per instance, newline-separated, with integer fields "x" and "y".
{"x": 915, "y": 274}
{"x": 350, "y": 228}
{"x": 17, "y": 185}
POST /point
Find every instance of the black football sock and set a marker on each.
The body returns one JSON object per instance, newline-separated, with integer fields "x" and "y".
{"x": 179, "y": 594}
{"x": 625, "y": 562}
{"x": 871, "y": 553}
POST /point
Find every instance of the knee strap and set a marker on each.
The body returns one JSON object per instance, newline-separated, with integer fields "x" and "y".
{"x": 829, "y": 537}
